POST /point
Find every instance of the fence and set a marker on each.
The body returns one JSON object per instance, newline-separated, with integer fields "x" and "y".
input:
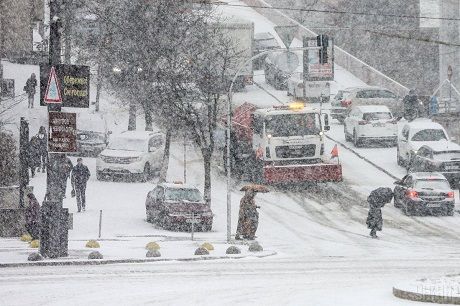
{"x": 357, "y": 67}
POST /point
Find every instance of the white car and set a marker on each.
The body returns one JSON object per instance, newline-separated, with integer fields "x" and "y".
{"x": 131, "y": 154}
{"x": 370, "y": 123}
{"x": 417, "y": 133}
{"x": 313, "y": 92}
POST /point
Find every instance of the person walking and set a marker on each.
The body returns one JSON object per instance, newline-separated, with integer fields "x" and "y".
{"x": 34, "y": 154}
{"x": 377, "y": 199}
{"x": 30, "y": 89}
{"x": 411, "y": 105}
{"x": 42, "y": 148}
{"x": 33, "y": 217}
{"x": 80, "y": 176}
{"x": 248, "y": 217}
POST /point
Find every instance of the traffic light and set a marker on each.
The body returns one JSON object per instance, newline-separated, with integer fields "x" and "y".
{"x": 323, "y": 42}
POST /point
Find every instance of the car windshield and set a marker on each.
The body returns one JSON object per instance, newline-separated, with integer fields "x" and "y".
{"x": 375, "y": 94}
{"x": 429, "y": 135}
{"x": 286, "y": 125}
{"x": 183, "y": 194}
{"x": 447, "y": 156}
{"x": 128, "y": 144}
{"x": 376, "y": 116}
{"x": 432, "y": 184}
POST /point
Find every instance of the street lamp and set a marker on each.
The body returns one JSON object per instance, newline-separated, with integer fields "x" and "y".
{"x": 229, "y": 122}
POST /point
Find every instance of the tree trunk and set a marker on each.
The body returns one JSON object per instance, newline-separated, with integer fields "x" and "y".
{"x": 98, "y": 85}
{"x": 148, "y": 119}
{"x": 165, "y": 162}
{"x": 132, "y": 115}
{"x": 207, "y": 175}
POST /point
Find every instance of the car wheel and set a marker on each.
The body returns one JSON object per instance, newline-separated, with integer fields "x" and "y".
{"x": 99, "y": 176}
{"x": 408, "y": 211}
{"x": 146, "y": 173}
{"x": 356, "y": 140}
{"x": 341, "y": 120}
{"x": 206, "y": 227}
{"x": 450, "y": 212}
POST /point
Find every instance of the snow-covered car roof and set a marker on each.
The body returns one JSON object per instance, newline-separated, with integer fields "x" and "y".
{"x": 423, "y": 123}
{"x": 358, "y": 88}
{"x": 428, "y": 176}
{"x": 443, "y": 146}
{"x": 373, "y": 108}
{"x": 145, "y": 135}
{"x": 177, "y": 186}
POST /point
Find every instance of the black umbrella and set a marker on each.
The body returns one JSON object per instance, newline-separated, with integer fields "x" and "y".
{"x": 380, "y": 196}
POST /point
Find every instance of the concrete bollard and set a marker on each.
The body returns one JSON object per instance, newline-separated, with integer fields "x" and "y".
{"x": 35, "y": 257}
{"x": 201, "y": 251}
{"x": 153, "y": 253}
{"x": 95, "y": 255}
{"x": 255, "y": 247}
{"x": 233, "y": 250}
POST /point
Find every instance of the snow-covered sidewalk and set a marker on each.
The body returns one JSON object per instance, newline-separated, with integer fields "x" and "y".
{"x": 444, "y": 290}
{"x": 128, "y": 249}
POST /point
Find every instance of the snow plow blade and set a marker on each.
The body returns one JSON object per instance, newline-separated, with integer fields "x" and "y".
{"x": 303, "y": 173}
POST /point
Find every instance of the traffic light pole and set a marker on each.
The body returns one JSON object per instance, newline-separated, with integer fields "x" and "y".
{"x": 54, "y": 229}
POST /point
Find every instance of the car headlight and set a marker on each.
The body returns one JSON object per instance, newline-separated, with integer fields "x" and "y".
{"x": 133, "y": 159}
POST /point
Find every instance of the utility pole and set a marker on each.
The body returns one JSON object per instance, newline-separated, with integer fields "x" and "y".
{"x": 2, "y": 43}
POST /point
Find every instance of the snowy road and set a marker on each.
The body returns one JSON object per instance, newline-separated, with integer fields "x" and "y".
{"x": 315, "y": 281}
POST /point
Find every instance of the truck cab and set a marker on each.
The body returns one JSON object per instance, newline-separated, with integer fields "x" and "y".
{"x": 285, "y": 143}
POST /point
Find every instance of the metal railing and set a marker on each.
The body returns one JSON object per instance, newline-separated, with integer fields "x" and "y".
{"x": 357, "y": 67}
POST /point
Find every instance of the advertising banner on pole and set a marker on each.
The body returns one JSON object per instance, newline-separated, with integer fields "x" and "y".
{"x": 62, "y": 136}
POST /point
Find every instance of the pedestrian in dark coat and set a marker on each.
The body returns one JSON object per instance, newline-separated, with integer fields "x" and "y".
{"x": 377, "y": 199}
{"x": 80, "y": 176}
{"x": 34, "y": 154}
{"x": 30, "y": 89}
{"x": 411, "y": 105}
{"x": 33, "y": 217}
{"x": 248, "y": 219}
{"x": 42, "y": 147}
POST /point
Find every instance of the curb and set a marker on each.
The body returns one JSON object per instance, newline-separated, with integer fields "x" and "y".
{"x": 363, "y": 158}
{"x": 421, "y": 297}
{"x": 122, "y": 261}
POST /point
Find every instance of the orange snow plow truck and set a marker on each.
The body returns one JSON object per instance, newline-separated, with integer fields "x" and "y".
{"x": 282, "y": 144}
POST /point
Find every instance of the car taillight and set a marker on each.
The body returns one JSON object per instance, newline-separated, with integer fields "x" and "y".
{"x": 363, "y": 122}
{"x": 412, "y": 194}
{"x": 345, "y": 103}
{"x": 450, "y": 194}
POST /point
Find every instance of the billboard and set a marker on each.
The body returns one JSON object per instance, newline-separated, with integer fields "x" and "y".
{"x": 312, "y": 68}
{"x": 62, "y": 136}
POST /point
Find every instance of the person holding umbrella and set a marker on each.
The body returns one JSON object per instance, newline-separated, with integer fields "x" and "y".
{"x": 248, "y": 217}
{"x": 377, "y": 199}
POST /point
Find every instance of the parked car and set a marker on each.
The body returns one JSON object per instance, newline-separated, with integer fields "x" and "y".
{"x": 132, "y": 154}
{"x": 370, "y": 123}
{"x": 421, "y": 192}
{"x": 176, "y": 205}
{"x": 373, "y": 96}
{"x": 443, "y": 157}
{"x": 279, "y": 66}
{"x": 339, "y": 109}
{"x": 415, "y": 134}
{"x": 263, "y": 42}
{"x": 92, "y": 134}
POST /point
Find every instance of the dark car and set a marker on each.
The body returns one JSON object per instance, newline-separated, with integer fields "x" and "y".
{"x": 421, "y": 193}
{"x": 263, "y": 42}
{"x": 175, "y": 206}
{"x": 92, "y": 134}
{"x": 443, "y": 157}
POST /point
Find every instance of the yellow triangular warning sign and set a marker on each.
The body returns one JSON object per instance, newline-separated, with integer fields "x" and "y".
{"x": 53, "y": 93}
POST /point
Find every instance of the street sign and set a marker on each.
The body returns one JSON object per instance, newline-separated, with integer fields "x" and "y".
{"x": 313, "y": 70}
{"x": 286, "y": 34}
{"x": 68, "y": 83}
{"x": 53, "y": 91}
{"x": 62, "y": 132}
